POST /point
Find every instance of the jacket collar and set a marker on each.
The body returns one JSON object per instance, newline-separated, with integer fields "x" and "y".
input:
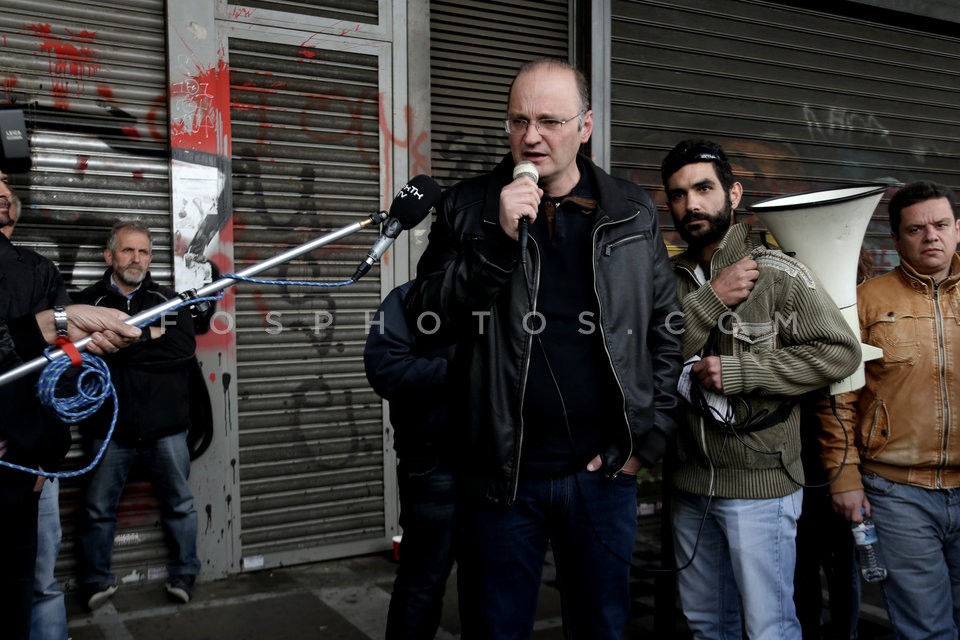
{"x": 612, "y": 204}
{"x": 924, "y": 282}
{"x": 735, "y": 244}
{"x": 106, "y": 284}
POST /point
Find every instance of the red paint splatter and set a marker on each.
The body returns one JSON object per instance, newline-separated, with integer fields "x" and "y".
{"x": 83, "y": 163}
{"x": 204, "y": 100}
{"x": 138, "y": 174}
{"x": 71, "y": 60}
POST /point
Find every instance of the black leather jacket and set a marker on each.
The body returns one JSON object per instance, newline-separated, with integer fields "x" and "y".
{"x": 470, "y": 277}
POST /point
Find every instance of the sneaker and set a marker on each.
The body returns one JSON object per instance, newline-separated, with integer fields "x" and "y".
{"x": 95, "y": 596}
{"x": 180, "y": 588}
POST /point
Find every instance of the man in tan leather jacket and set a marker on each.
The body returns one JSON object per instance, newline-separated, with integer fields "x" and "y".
{"x": 904, "y": 470}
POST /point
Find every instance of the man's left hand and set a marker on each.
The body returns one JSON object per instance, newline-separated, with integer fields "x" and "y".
{"x": 631, "y": 468}
{"x": 708, "y": 372}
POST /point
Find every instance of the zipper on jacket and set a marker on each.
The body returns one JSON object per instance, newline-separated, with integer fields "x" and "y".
{"x": 606, "y": 349}
{"x": 608, "y": 249}
{"x": 532, "y": 298}
{"x": 938, "y": 316}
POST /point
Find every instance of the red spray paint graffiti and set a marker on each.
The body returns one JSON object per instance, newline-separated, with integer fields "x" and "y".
{"x": 200, "y": 107}
{"x": 72, "y": 60}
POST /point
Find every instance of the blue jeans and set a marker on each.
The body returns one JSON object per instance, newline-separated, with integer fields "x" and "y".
{"x": 591, "y": 523}
{"x": 427, "y": 506}
{"x": 919, "y": 534}
{"x": 167, "y": 461}
{"x": 746, "y": 550}
{"x": 49, "y": 610}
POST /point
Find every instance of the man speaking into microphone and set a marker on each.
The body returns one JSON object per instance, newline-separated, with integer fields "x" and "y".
{"x": 568, "y": 354}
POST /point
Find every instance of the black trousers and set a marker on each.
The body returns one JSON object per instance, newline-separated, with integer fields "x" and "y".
{"x": 18, "y": 541}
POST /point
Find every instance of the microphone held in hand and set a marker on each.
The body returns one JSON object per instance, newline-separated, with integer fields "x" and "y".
{"x": 525, "y": 169}
{"x": 411, "y": 205}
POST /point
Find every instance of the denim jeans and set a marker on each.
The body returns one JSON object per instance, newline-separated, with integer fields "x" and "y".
{"x": 427, "y": 506}
{"x": 746, "y": 550}
{"x": 49, "y": 610}
{"x": 591, "y": 522}
{"x": 167, "y": 462}
{"x": 919, "y": 535}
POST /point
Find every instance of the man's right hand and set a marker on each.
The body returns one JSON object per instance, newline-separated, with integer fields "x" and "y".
{"x": 519, "y": 199}
{"x": 852, "y": 505}
{"x": 106, "y": 327}
{"x": 734, "y": 284}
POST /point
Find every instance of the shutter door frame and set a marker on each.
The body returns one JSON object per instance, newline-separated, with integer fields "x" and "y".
{"x": 269, "y": 535}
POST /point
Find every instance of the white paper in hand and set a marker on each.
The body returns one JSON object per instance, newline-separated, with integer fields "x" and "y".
{"x": 719, "y": 405}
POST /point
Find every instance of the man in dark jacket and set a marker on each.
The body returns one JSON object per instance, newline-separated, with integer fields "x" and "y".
{"x": 567, "y": 364}
{"x": 31, "y": 290}
{"x": 151, "y": 379}
{"x": 412, "y": 378}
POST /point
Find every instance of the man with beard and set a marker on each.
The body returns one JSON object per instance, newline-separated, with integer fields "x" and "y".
{"x": 759, "y": 332}
{"x": 151, "y": 379}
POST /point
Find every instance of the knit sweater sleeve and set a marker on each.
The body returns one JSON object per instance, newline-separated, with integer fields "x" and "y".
{"x": 702, "y": 310}
{"x": 815, "y": 347}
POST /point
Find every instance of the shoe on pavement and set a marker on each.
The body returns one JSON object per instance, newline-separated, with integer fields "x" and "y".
{"x": 95, "y": 596}
{"x": 180, "y": 588}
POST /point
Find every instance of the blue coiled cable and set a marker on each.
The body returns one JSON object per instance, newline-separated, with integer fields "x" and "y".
{"x": 94, "y": 384}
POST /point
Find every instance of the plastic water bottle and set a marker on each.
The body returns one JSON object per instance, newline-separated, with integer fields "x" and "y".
{"x": 871, "y": 566}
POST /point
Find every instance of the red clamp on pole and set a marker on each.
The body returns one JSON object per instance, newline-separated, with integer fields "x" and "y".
{"x": 71, "y": 350}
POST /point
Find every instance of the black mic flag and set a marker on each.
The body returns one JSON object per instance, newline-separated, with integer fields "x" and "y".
{"x": 411, "y": 205}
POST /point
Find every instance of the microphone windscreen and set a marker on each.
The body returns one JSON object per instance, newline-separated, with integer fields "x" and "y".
{"x": 415, "y": 200}
{"x": 526, "y": 169}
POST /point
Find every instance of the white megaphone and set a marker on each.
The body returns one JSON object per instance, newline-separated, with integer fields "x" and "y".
{"x": 824, "y": 230}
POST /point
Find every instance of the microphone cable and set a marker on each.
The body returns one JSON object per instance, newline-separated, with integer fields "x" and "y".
{"x": 733, "y": 427}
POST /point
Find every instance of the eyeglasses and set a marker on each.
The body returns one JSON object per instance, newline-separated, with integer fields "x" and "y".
{"x": 518, "y": 126}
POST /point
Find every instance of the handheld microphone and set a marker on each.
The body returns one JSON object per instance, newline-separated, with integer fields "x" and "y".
{"x": 411, "y": 205}
{"x": 525, "y": 169}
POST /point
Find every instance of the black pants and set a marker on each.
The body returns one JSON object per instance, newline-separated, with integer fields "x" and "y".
{"x": 18, "y": 540}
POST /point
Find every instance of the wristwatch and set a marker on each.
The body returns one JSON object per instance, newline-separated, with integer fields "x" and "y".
{"x": 60, "y": 321}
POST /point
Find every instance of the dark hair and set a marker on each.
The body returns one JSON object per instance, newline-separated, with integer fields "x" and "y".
{"x": 915, "y": 192}
{"x": 127, "y": 225}
{"x": 690, "y": 151}
{"x": 583, "y": 90}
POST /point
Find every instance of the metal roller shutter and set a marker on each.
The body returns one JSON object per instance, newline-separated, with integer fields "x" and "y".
{"x": 91, "y": 79}
{"x": 361, "y": 11}
{"x": 306, "y": 160}
{"x": 475, "y": 50}
{"x": 802, "y": 99}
